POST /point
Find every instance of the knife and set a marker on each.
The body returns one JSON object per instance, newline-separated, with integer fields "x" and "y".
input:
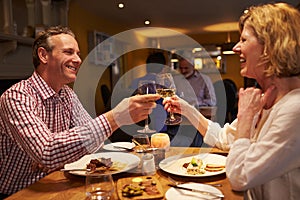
{"x": 215, "y": 195}
{"x": 123, "y": 147}
{"x": 69, "y": 170}
{"x": 82, "y": 170}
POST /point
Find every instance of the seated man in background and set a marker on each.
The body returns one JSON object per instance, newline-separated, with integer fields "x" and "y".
{"x": 43, "y": 125}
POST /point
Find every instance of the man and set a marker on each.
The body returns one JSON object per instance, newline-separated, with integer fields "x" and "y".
{"x": 201, "y": 84}
{"x": 42, "y": 123}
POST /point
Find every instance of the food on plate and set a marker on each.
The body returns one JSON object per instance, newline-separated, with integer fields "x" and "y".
{"x": 138, "y": 186}
{"x": 214, "y": 167}
{"x": 103, "y": 164}
{"x": 194, "y": 167}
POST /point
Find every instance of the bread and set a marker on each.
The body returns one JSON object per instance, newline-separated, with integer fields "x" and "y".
{"x": 214, "y": 167}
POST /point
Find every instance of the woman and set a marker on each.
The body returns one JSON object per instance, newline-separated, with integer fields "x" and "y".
{"x": 264, "y": 141}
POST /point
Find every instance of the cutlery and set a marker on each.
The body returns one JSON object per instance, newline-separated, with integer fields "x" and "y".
{"x": 69, "y": 170}
{"x": 123, "y": 147}
{"x": 178, "y": 183}
{"x": 82, "y": 170}
{"x": 215, "y": 195}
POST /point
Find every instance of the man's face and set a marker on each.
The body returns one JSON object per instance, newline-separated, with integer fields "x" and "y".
{"x": 186, "y": 68}
{"x": 64, "y": 61}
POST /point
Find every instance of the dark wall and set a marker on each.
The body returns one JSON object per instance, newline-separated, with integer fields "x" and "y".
{"x": 6, "y": 83}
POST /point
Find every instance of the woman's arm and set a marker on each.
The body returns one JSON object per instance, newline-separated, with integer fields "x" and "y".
{"x": 213, "y": 134}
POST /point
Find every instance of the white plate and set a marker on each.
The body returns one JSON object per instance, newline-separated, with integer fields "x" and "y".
{"x": 179, "y": 194}
{"x": 110, "y": 146}
{"x": 130, "y": 160}
{"x": 174, "y": 164}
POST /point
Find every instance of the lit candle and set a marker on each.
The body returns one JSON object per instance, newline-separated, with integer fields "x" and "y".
{"x": 160, "y": 140}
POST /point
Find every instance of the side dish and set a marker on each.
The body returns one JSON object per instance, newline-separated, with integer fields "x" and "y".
{"x": 196, "y": 167}
{"x": 138, "y": 187}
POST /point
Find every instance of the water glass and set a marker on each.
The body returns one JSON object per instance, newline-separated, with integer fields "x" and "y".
{"x": 159, "y": 155}
{"x": 99, "y": 186}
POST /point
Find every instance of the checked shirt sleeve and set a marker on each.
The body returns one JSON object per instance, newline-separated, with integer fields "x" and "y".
{"x": 54, "y": 132}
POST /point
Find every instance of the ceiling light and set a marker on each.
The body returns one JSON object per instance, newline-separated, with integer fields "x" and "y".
{"x": 147, "y": 22}
{"x": 121, "y": 5}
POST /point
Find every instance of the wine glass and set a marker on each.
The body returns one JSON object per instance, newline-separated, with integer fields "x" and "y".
{"x": 166, "y": 88}
{"x": 146, "y": 87}
{"x": 99, "y": 186}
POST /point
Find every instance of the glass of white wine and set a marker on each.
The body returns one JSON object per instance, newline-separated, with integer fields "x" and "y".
{"x": 166, "y": 88}
{"x": 146, "y": 87}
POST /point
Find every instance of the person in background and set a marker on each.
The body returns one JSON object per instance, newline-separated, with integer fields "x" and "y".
{"x": 264, "y": 140}
{"x": 203, "y": 93}
{"x": 43, "y": 125}
{"x": 155, "y": 63}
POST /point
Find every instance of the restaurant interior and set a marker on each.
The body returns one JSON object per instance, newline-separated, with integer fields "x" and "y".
{"x": 211, "y": 24}
{"x": 132, "y": 29}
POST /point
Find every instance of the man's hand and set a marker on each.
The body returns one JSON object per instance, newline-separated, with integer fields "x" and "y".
{"x": 133, "y": 109}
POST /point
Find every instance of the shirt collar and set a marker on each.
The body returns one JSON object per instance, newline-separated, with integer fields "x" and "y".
{"x": 44, "y": 89}
{"x": 194, "y": 74}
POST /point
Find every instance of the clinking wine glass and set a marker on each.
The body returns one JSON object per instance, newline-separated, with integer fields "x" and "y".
{"x": 166, "y": 88}
{"x": 146, "y": 87}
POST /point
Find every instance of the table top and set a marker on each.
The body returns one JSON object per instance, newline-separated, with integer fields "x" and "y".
{"x": 62, "y": 185}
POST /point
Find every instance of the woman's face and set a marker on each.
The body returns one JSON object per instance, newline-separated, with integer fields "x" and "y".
{"x": 250, "y": 51}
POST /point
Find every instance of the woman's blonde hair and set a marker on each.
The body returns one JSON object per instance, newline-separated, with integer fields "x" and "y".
{"x": 277, "y": 27}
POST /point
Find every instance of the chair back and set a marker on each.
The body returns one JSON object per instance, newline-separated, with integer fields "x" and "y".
{"x": 226, "y": 94}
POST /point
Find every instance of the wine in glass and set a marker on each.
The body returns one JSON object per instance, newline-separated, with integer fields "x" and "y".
{"x": 166, "y": 88}
{"x": 146, "y": 87}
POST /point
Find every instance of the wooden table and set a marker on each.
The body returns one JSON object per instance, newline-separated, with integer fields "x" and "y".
{"x": 62, "y": 185}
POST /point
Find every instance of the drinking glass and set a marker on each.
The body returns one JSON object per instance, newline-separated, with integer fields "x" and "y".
{"x": 146, "y": 87}
{"x": 142, "y": 142}
{"x": 99, "y": 186}
{"x": 166, "y": 88}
